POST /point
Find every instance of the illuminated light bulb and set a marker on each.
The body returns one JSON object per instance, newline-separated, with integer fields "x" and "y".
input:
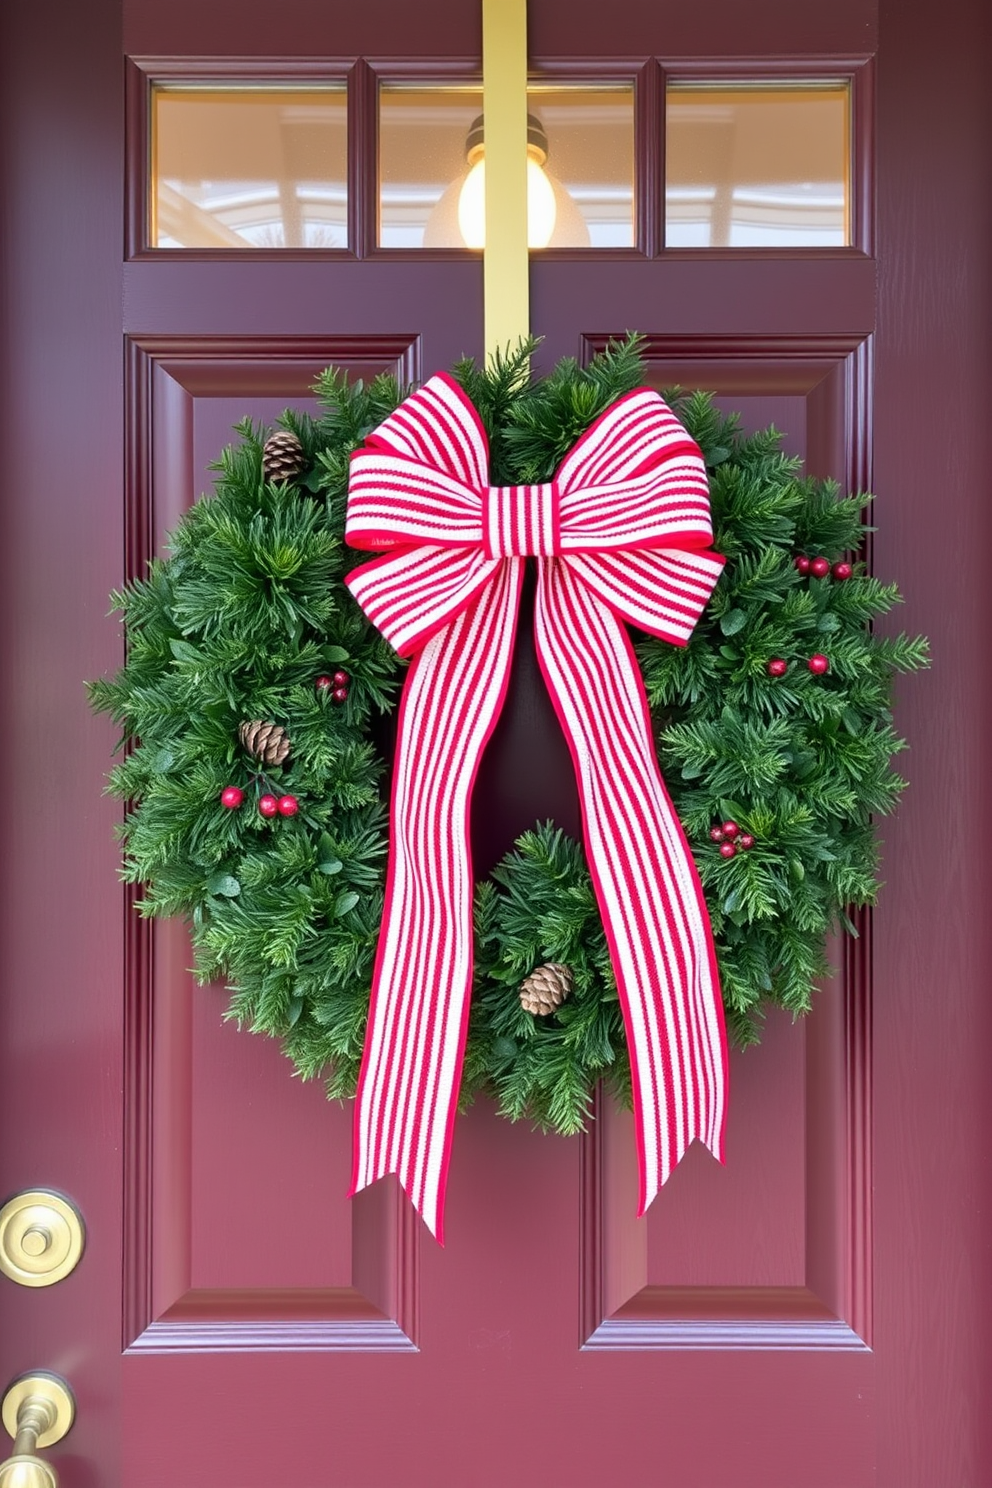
{"x": 472, "y": 207}
{"x": 542, "y": 208}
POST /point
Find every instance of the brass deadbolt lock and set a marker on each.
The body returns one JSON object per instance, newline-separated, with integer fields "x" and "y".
{"x": 41, "y": 1238}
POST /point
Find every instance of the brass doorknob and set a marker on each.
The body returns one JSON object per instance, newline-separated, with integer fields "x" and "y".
{"x": 38, "y": 1410}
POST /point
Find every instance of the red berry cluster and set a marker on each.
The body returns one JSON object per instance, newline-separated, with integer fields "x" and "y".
{"x": 818, "y": 664}
{"x": 820, "y": 567}
{"x": 336, "y": 685}
{"x": 731, "y": 839}
{"x": 269, "y": 805}
{"x": 284, "y": 805}
{"x": 232, "y": 796}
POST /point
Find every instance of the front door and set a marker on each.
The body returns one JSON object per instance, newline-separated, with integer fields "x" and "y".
{"x": 812, "y": 1316}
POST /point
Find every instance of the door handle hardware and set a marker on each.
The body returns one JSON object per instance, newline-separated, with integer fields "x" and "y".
{"x": 38, "y": 1410}
{"x": 41, "y": 1238}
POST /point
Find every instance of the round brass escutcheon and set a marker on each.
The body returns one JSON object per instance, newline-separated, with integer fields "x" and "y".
{"x": 53, "y": 1399}
{"x": 41, "y": 1238}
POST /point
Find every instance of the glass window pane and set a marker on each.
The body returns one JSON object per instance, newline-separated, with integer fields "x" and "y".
{"x": 757, "y": 166}
{"x": 422, "y": 146}
{"x": 239, "y": 168}
{"x": 580, "y": 171}
{"x": 590, "y": 134}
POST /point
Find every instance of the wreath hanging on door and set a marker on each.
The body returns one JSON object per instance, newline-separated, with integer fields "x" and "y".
{"x": 256, "y": 698}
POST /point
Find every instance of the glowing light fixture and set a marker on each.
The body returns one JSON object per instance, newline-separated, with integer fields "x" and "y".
{"x": 542, "y": 206}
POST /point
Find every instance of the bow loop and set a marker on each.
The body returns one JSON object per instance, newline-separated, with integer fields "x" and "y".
{"x": 394, "y": 501}
{"x": 438, "y": 426}
{"x": 636, "y": 432}
{"x": 634, "y": 480}
{"x": 662, "y": 590}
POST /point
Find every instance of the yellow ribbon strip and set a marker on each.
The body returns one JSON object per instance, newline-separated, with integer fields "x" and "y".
{"x": 504, "y": 105}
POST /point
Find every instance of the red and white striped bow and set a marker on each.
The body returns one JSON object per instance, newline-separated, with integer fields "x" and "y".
{"x": 621, "y": 533}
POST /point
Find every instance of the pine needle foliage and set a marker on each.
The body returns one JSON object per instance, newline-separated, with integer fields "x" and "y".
{"x": 249, "y": 608}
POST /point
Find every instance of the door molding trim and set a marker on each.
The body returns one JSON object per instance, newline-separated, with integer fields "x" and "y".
{"x": 163, "y": 1311}
{"x": 620, "y": 1308}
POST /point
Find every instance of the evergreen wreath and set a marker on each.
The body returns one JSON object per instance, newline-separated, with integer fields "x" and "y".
{"x": 774, "y": 736}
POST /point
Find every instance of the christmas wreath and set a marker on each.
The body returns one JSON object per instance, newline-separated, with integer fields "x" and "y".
{"x": 255, "y": 701}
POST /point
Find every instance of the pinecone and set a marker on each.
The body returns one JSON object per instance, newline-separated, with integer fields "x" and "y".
{"x": 268, "y": 742}
{"x": 546, "y": 988}
{"x": 282, "y": 457}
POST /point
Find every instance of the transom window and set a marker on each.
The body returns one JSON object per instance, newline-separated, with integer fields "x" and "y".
{"x": 746, "y": 164}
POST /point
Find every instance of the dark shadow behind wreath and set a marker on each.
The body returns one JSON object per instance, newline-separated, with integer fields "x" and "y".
{"x": 256, "y": 695}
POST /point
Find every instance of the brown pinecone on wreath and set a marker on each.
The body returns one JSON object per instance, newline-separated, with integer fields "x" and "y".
{"x": 282, "y": 457}
{"x": 546, "y": 988}
{"x": 267, "y": 742}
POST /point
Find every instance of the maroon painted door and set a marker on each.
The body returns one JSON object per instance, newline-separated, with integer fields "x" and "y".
{"x": 813, "y": 1316}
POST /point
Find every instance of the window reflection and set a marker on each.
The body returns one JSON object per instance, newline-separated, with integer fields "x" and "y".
{"x": 757, "y": 166}
{"x": 748, "y": 165}
{"x": 234, "y": 168}
{"x": 591, "y": 135}
{"x": 423, "y": 145}
{"x": 580, "y": 167}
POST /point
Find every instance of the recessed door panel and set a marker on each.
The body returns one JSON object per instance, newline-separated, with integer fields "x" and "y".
{"x": 250, "y": 1239}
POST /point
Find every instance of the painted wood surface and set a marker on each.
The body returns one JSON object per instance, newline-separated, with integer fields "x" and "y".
{"x": 812, "y": 1318}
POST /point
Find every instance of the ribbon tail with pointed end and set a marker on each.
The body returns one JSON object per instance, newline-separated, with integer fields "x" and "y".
{"x": 415, "y": 1042}
{"x": 645, "y": 880}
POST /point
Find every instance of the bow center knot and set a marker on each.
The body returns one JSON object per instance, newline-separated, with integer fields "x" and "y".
{"x": 521, "y": 521}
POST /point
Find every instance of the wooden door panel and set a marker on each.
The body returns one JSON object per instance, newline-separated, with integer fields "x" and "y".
{"x": 248, "y": 1240}
{"x": 266, "y": 1208}
{"x": 185, "y": 392}
{"x": 742, "y": 1258}
{"x": 239, "y": 1234}
{"x": 344, "y": 304}
{"x": 700, "y": 1268}
{"x": 815, "y": 388}
{"x": 742, "y": 1225}
{"x": 777, "y": 300}
{"x": 772, "y": 1251}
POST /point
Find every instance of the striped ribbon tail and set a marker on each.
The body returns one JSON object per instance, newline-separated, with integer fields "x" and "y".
{"x": 415, "y": 1042}
{"x": 649, "y": 893}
